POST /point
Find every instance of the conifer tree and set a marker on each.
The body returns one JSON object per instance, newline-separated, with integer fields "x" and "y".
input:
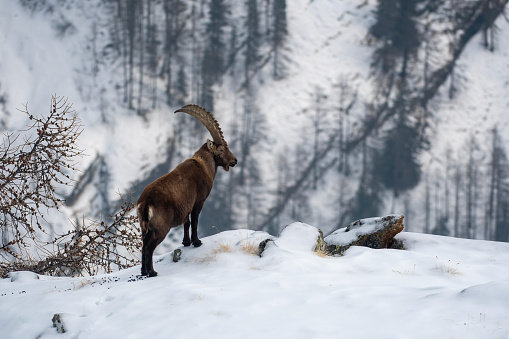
{"x": 396, "y": 165}
{"x": 213, "y": 55}
{"x": 279, "y": 33}
{"x": 367, "y": 201}
{"x": 253, "y": 39}
{"x": 499, "y": 190}
{"x": 174, "y": 11}
{"x": 396, "y": 28}
{"x": 181, "y": 90}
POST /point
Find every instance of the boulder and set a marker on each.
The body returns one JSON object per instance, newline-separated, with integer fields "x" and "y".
{"x": 372, "y": 232}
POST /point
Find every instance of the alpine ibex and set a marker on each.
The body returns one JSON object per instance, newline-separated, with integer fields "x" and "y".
{"x": 170, "y": 200}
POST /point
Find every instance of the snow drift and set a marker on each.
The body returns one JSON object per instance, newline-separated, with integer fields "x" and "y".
{"x": 439, "y": 287}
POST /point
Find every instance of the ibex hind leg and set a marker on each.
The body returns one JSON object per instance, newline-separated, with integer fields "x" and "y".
{"x": 194, "y": 225}
{"x": 150, "y": 242}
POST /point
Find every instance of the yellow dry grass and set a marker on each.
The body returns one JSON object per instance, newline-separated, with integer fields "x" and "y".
{"x": 322, "y": 253}
{"x": 212, "y": 256}
{"x": 250, "y": 247}
{"x": 448, "y": 269}
{"x": 223, "y": 248}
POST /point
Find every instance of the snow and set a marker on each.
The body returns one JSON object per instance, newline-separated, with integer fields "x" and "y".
{"x": 32, "y": 64}
{"x": 439, "y": 287}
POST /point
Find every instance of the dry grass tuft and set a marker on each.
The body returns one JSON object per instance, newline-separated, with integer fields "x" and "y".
{"x": 406, "y": 272}
{"x": 209, "y": 258}
{"x": 250, "y": 247}
{"x": 76, "y": 285}
{"x": 322, "y": 253}
{"x": 223, "y": 248}
{"x": 212, "y": 256}
{"x": 448, "y": 269}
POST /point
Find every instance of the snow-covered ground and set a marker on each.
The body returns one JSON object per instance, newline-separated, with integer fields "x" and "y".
{"x": 438, "y": 288}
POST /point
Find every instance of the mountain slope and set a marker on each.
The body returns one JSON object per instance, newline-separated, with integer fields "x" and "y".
{"x": 438, "y": 287}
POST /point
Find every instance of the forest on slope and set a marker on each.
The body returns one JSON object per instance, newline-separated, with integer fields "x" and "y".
{"x": 335, "y": 111}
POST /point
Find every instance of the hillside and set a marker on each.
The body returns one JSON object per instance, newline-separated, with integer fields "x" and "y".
{"x": 309, "y": 137}
{"x": 439, "y": 287}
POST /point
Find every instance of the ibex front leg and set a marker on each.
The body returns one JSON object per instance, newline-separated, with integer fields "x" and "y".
{"x": 194, "y": 224}
{"x": 186, "y": 241}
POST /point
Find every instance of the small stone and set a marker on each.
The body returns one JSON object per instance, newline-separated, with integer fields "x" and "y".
{"x": 262, "y": 245}
{"x": 321, "y": 246}
{"x": 177, "y": 254}
{"x": 58, "y": 322}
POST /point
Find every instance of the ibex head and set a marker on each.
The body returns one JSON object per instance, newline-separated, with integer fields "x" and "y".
{"x": 219, "y": 148}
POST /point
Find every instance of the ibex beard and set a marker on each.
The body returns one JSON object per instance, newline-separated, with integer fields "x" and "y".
{"x": 178, "y": 197}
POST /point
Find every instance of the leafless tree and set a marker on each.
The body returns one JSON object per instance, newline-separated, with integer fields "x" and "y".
{"x": 33, "y": 164}
{"x": 32, "y": 167}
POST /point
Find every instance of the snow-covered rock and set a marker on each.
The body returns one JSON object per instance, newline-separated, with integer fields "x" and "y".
{"x": 375, "y": 233}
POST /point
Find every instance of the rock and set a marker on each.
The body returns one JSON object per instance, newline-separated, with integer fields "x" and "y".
{"x": 262, "y": 245}
{"x": 58, "y": 322}
{"x": 321, "y": 245}
{"x": 372, "y": 232}
{"x": 177, "y": 254}
{"x": 67, "y": 323}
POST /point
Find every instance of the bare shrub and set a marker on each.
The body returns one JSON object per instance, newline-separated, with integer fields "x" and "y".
{"x": 32, "y": 165}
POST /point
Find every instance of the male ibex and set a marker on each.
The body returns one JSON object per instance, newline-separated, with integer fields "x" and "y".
{"x": 170, "y": 200}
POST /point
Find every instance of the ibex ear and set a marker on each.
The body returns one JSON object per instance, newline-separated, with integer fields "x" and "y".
{"x": 210, "y": 145}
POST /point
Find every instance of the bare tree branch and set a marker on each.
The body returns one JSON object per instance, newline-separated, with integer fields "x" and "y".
{"x": 32, "y": 166}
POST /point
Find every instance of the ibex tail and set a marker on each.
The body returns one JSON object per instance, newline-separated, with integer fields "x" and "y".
{"x": 143, "y": 213}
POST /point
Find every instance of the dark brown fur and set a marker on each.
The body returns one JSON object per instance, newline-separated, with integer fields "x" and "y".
{"x": 178, "y": 197}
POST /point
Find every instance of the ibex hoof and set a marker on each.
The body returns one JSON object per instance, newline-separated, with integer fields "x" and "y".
{"x": 151, "y": 273}
{"x": 186, "y": 242}
{"x": 197, "y": 243}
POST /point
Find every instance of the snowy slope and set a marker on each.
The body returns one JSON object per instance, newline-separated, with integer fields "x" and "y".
{"x": 439, "y": 288}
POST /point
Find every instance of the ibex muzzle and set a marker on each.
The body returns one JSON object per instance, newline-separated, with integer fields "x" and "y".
{"x": 178, "y": 197}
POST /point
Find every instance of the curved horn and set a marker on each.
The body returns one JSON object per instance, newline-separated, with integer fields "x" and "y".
{"x": 207, "y": 119}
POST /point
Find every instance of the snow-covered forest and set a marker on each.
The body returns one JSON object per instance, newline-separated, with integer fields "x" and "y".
{"x": 335, "y": 110}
